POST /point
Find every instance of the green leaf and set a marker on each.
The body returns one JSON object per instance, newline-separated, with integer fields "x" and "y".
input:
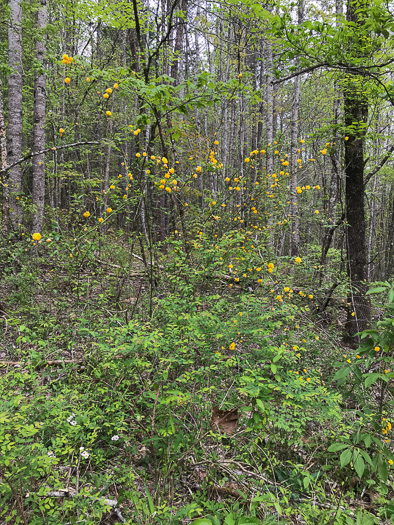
{"x": 229, "y": 520}
{"x": 202, "y": 521}
{"x": 337, "y": 446}
{"x": 274, "y": 368}
{"x": 383, "y": 472}
{"x": 359, "y": 465}
{"x": 345, "y": 457}
{"x": 378, "y": 289}
{"x": 371, "y": 379}
{"x": 366, "y": 456}
{"x": 343, "y": 372}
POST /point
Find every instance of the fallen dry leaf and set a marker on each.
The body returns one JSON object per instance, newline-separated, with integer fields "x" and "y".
{"x": 226, "y": 420}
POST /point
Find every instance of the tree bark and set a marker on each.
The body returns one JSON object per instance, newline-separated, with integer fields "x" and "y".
{"x": 3, "y": 164}
{"x": 295, "y": 109}
{"x": 15, "y": 116}
{"x": 356, "y": 118}
{"x": 178, "y": 41}
{"x": 39, "y": 122}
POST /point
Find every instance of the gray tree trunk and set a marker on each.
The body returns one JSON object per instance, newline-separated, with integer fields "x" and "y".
{"x": 15, "y": 120}
{"x": 39, "y": 122}
{"x": 295, "y": 109}
{"x": 3, "y": 164}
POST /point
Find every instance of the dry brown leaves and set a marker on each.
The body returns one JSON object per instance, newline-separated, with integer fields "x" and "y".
{"x": 226, "y": 420}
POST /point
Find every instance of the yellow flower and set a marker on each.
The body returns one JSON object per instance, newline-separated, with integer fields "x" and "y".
{"x": 138, "y": 154}
{"x": 286, "y": 289}
{"x": 109, "y": 91}
{"x": 67, "y": 80}
{"x": 232, "y": 346}
{"x": 105, "y": 95}
{"x": 310, "y": 296}
{"x": 323, "y": 151}
{"x": 86, "y": 214}
{"x": 377, "y": 348}
{"x": 247, "y": 159}
{"x": 390, "y": 462}
{"x": 168, "y": 189}
{"x": 164, "y": 160}
{"x": 109, "y": 210}
{"x": 61, "y": 130}
{"x": 116, "y": 85}
{"x": 317, "y": 187}
{"x": 317, "y": 212}
{"x": 258, "y": 269}
{"x": 298, "y": 260}
{"x": 346, "y": 138}
{"x": 112, "y": 187}
{"x": 101, "y": 219}
{"x": 49, "y": 240}
{"x": 108, "y": 113}
{"x": 216, "y": 142}
{"x": 88, "y": 79}
{"x": 198, "y": 169}
{"x": 279, "y": 298}
{"x": 36, "y": 236}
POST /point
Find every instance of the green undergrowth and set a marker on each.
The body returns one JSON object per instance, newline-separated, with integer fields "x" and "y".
{"x": 111, "y": 406}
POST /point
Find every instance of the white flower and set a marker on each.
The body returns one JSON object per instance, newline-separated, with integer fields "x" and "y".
{"x": 73, "y": 423}
{"x": 85, "y": 454}
{"x": 51, "y": 454}
{"x": 114, "y": 438}
{"x": 81, "y": 449}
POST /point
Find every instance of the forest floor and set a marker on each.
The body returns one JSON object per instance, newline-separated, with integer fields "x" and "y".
{"x": 163, "y": 394}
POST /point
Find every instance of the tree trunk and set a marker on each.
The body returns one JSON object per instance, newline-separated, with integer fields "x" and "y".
{"x": 179, "y": 41}
{"x": 295, "y": 109}
{"x": 15, "y": 118}
{"x": 39, "y": 122}
{"x": 356, "y": 118}
{"x": 3, "y": 164}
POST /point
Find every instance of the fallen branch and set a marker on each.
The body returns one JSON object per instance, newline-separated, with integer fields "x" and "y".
{"x": 43, "y": 364}
{"x": 71, "y": 494}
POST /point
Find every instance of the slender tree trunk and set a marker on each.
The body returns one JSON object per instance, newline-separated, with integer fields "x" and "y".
{"x": 179, "y": 41}
{"x": 270, "y": 107}
{"x": 39, "y": 122}
{"x": 356, "y": 118}
{"x": 15, "y": 119}
{"x": 295, "y": 156}
{"x": 3, "y": 164}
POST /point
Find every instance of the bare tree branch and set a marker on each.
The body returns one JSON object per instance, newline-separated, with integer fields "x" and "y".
{"x": 46, "y": 150}
{"x": 379, "y": 166}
